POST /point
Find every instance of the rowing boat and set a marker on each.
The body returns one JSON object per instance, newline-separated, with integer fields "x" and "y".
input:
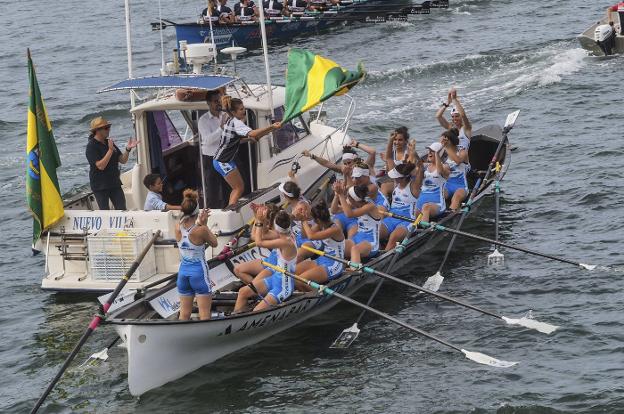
{"x": 280, "y": 29}
{"x": 180, "y": 347}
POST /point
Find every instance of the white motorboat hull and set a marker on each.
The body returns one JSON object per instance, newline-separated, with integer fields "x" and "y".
{"x": 586, "y": 39}
{"x": 163, "y": 351}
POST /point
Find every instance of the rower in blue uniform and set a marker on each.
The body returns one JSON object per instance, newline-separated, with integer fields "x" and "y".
{"x": 264, "y": 216}
{"x": 277, "y": 287}
{"x": 396, "y": 151}
{"x": 431, "y": 201}
{"x": 408, "y": 179}
{"x": 329, "y": 233}
{"x": 192, "y": 235}
{"x": 457, "y": 161}
{"x": 355, "y": 203}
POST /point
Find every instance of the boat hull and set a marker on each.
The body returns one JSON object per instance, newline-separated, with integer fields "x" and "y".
{"x": 156, "y": 357}
{"x": 587, "y": 42}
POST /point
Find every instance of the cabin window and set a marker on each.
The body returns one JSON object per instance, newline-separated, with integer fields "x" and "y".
{"x": 161, "y": 126}
{"x": 290, "y": 133}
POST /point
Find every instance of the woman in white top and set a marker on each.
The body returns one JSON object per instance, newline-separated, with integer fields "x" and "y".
{"x": 459, "y": 119}
{"x": 332, "y": 241}
{"x": 355, "y": 203}
{"x": 431, "y": 199}
{"x": 396, "y": 151}
{"x": 457, "y": 161}
{"x": 277, "y": 287}
{"x": 192, "y": 235}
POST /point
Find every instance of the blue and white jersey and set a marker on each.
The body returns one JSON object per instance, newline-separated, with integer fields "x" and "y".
{"x": 334, "y": 247}
{"x": 403, "y": 201}
{"x": 189, "y": 252}
{"x": 464, "y": 141}
{"x": 433, "y": 181}
{"x": 368, "y": 227}
{"x": 457, "y": 170}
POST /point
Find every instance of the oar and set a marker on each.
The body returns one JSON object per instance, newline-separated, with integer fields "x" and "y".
{"x": 348, "y": 335}
{"x": 526, "y": 322}
{"x": 439, "y": 227}
{"x": 96, "y": 321}
{"x": 96, "y": 357}
{"x": 473, "y": 356}
{"x": 496, "y": 257}
{"x": 434, "y": 282}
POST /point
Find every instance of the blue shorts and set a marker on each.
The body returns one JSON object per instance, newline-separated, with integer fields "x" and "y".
{"x": 434, "y": 198}
{"x": 278, "y": 287}
{"x": 456, "y": 183}
{"x": 360, "y": 237}
{"x": 193, "y": 279}
{"x": 224, "y": 168}
{"x": 392, "y": 224}
{"x": 332, "y": 267}
{"x": 345, "y": 222}
{"x": 316, "y": 244}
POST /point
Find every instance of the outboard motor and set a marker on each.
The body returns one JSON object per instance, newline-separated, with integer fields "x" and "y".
{"x": 605, "y": 38}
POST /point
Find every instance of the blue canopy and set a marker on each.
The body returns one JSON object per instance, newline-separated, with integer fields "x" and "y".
{"x": 204, "y": 82}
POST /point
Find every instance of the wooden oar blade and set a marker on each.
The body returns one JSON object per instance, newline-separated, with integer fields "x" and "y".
{"x": 434, "y": 282}
{"x": 529, "y": 323}
{"x": 346, "y": 337}
{"x": 487, "y": 360}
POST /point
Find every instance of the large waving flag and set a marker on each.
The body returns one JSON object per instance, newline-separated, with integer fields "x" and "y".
{"x": 42, "y": 189}
{"x": 311, "y": 79}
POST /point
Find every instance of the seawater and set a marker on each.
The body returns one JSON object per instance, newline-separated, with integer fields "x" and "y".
{"x": 562, "y": 195}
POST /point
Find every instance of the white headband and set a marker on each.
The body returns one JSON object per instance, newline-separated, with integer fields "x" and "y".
{"x": 281, "y": 188}
{"x": 394, "y": 173}
{"x": 454, "y": 111}
{"x": 353, "y": 195}
{"x": 280, "y": 229}
{"x": 348, "y": 156}
{"x": 359, "y": 172}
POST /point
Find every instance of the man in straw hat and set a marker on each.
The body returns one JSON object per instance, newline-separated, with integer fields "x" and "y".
{"x": 104, "y": 158}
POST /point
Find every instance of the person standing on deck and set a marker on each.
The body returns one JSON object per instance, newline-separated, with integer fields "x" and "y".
{"x": 104, "y": 158}
{"x": 192, "y": 235}
{"x": 209, "y": 126}
{"x": 459, "y": 119}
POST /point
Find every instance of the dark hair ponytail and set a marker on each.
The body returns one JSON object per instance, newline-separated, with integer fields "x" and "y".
{"x": 405, "y": 168}
{"x": 320, "y": 212}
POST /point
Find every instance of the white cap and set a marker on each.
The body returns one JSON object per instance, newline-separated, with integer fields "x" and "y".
{"x": 454, "y": 111}
{"x": 360, "y": 172}
{"x": 436, "y": 147}
{"x": 393, "y": 173}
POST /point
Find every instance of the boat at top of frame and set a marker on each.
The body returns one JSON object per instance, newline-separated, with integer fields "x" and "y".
{"x": 282, "y": 28}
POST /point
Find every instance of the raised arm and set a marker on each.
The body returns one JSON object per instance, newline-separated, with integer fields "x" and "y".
{"x": 442, "y": 168}
{"x": 322, "y": 161}
{"x": 440, "y": 113}
{"x": 462, "y": 113}
{"x": 389, "y": 148}
{"x": 372, "y": 153}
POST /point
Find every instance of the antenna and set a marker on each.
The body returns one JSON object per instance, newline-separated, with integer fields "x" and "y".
{"x": 233, "y": 51}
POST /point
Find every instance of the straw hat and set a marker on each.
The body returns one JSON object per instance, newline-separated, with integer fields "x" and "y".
{"x": 98, "y": 122}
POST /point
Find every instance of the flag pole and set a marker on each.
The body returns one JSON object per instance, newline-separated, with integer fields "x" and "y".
{"x": 266, "y": 59}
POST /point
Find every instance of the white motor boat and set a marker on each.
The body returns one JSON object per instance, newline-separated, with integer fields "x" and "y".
{"x": 89, "y": 250}
{"x": 603, "y": 39}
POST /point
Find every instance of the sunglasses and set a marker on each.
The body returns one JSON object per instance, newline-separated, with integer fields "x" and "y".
{"x": 107, "y": 127}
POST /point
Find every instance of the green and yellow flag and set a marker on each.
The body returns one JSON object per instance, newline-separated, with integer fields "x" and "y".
{"x": 311, "y": 79}
{"x": 42, "y": 159}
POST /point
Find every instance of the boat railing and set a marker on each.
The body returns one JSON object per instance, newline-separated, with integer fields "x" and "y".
{"x": 346, "y": 121}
